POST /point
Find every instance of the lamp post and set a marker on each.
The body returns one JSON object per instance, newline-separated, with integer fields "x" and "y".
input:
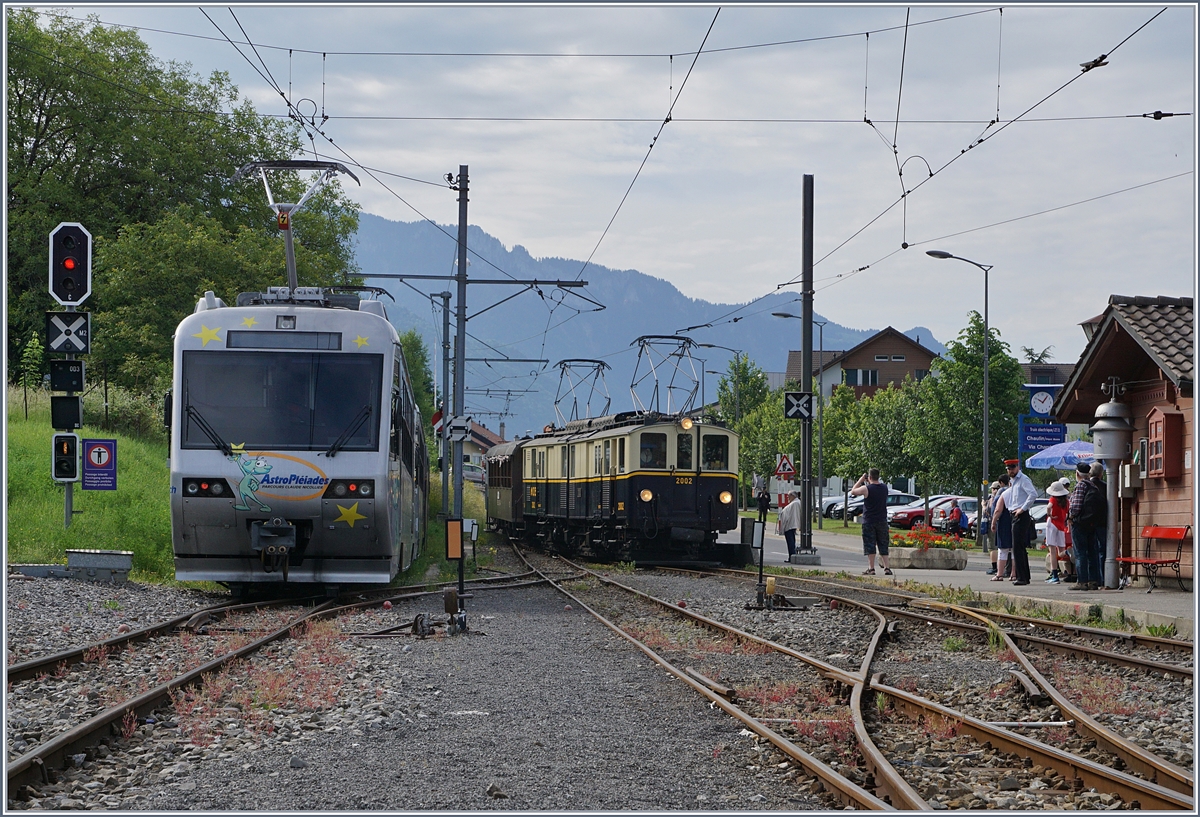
{"x": 986, "y": 343}
{"x": 820, "y": 414}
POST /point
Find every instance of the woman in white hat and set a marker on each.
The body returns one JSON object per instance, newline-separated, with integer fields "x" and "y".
{"x": 1056, "y": 527}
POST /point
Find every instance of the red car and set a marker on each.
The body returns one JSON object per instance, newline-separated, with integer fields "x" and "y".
{"x": 914, "y": 513}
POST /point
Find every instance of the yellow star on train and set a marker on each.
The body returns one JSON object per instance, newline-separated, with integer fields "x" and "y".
{"x": 359, "y": 341}
{"x": 205, "y": 334}
{"x": 249, "y": 322}
{"x": 349, "y": 515}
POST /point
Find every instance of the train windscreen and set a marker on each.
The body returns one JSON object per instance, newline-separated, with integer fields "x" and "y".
{"x": 282, "y": 401}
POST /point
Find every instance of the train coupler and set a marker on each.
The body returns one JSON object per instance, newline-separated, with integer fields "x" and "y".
{"x": 273, "y": 540}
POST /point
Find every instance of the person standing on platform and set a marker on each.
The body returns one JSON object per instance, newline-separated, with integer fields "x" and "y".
{"x": 789, "y": 520}
{"x": 1018, "y": 500}
{"x": 1086, "y": 509}
{"x": 1002, "y": 530}
{"x": 1056, "y": 527}
{"x": 875, "y": 533}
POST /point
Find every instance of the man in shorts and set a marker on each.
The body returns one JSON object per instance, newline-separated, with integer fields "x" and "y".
{"x": 874, "y": 520}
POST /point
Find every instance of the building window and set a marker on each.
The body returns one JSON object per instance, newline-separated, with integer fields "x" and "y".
{"x": 1042, "y": 378}
{"x": 920, "y": 374}
{"x": 881, "y": 358}
{"x": 868, "y": 377}
{"x": 1165, "y": 444}
{"x": 850, "y": 377}
{"x": 898, "y": 358}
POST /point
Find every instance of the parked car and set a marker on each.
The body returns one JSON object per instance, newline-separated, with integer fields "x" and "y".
{"x": 836, "y": 509}
{"x": 940, "y": 517}
{"x": 855, "y": 509}
{"x": 1039, "y": 513}
{"x": 473, "y": 473}
{"x": 913, "y": 513}
{"x": 827, "y": 505}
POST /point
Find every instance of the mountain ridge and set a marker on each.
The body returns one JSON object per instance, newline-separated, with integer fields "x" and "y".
{"x": 554, "y": 324}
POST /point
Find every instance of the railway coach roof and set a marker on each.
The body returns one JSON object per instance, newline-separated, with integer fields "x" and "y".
{"x": 611, "y": 421}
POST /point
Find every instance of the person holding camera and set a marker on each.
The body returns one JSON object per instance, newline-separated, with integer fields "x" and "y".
{"x": 874, "y": 520}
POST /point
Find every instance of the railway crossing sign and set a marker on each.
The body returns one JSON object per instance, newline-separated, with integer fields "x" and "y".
{"x": 99, "y": 465}
{"x": 797, "y": 405}
{"x": 784, "y": 469}
{"x": 69, "y": 332}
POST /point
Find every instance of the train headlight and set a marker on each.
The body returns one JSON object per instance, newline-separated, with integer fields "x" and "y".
{"x": 364, "y": 489}
{"x": 217, "y": 489}
{"x": 340, "y": 489}
{"x": 726, "y": 497}
{"x": 686, "y": 423}
{"x": 646, "y": 495}
{"x": 192, "y": 488}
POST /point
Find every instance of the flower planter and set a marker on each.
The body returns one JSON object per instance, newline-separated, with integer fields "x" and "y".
{"x": 931, "y": 559}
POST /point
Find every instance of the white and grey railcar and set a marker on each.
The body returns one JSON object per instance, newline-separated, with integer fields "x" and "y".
{"x": 296, "y": 445}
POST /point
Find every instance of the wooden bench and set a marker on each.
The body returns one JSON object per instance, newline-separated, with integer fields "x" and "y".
{"x": 1151, "y": 533}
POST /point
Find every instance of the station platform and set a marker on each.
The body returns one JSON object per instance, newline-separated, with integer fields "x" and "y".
{"x": 1167, "y": 605}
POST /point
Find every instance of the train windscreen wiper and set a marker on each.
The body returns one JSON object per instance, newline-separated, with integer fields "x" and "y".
{"x": 355, "y": 424}
{"x": 208, "y": 430}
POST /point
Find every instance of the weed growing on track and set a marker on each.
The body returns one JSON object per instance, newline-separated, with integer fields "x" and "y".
{"x": 317, "y": 669}
{"x": 1101, "y": 694}
{"x": 938, "y": 728}
{"x": 995, "y": 638}
{"x": 954, "y": 643}
{"x": 1160, "y": 630}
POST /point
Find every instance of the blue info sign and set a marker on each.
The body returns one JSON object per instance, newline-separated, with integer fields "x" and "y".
{"x": 99, "y": 465}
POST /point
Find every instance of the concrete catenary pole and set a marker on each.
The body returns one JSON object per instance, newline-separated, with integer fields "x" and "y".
{"x": 806, "y": 345}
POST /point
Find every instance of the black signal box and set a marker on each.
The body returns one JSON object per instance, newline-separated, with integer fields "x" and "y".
{"x": 66, "y": 375}
{"x": 66, "y": 413}
{"x": 65, "y": 461}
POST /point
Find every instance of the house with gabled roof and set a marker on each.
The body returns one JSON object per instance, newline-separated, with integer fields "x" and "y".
{"x": 1147, "y": 344}
{"x": 884, "y": 358}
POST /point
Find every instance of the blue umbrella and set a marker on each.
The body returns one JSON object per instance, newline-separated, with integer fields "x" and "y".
{"x": 1064, "y": 456}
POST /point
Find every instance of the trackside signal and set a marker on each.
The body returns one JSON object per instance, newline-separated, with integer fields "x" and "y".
{"x": 70, "y": 263}
{"x": 65, "y": 467}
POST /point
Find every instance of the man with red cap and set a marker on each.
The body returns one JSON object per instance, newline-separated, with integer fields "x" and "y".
{"x": 1018, "y": 500}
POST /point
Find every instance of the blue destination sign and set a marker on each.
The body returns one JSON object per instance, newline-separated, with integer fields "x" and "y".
{"x": 99, "y": 465}
{"x": 1038, "y": 437}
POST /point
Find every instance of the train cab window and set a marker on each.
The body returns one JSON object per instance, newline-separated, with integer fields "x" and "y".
{"x": 683, "y": 452}
{"x": 596, "y": 458}
{"x": 654, "y": 451}
{"x": 716, "y": 452}
{"x": 574, "y": 451}
{"x": 563, "y": 473}
{"x": 607, "y": 457}
{"x": 621, "y": 455}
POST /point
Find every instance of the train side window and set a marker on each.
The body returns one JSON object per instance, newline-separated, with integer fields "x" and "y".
{"x": 654, "y": 451}
{"x": 394, "y": 437}
{"x": 715, "y": 449}
{"x": 621, "y": 455}
{"x": 541, "y": 467}
{"x": 607, "y": 457}
{"x": 597, "y": 461}
{"x": 563, "y": 473}
{"x": 683, "y": 452}
{"x": 574, "y": 451}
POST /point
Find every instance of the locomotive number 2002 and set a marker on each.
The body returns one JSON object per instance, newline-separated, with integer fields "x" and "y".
{"x": 683, "y": 480}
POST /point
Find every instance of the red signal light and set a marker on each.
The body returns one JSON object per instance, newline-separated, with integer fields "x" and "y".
{"x": 69, "y": 263}
{"x": 204, "y": 486}
{"x": 353, "y": 487}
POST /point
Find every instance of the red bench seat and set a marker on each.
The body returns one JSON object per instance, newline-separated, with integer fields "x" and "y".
{"x": 1151, "y": 566}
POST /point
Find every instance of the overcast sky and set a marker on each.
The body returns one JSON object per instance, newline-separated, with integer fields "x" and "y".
{"x": 554, "y": 110}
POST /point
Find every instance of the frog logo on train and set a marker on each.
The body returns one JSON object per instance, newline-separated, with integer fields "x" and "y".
{"x": 261, "y": 479}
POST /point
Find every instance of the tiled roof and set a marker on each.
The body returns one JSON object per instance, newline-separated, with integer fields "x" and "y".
{"x": 1163, "y": 326}
{"x": 1061, "y": 372}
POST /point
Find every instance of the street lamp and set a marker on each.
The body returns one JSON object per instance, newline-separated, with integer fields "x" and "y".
{"x": 986, "y": 340}
{"x": 820, "y": 414}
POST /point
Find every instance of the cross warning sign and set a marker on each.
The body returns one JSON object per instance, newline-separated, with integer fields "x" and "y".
{"x": 784, "y": 467}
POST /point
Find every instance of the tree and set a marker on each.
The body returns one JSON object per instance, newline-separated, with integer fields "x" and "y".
{"x": 416, "y": 356}
{"x": 1034, "y": 357}
{"x": 101, "y": 132}
{"x": 765, "y": 433}
{"x": 741, "y": 390}
{"x": 945, "y": 427}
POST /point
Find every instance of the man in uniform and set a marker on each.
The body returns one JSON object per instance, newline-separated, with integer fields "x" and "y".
{"x": 1019, "y": 499}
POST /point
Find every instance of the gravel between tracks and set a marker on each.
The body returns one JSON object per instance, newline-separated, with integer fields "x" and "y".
{"x": 538, "y": 707}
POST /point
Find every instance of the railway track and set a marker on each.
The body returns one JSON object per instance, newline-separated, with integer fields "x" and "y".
{"x": 1014, "y": 762}
{"x": 62, "y": 704}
